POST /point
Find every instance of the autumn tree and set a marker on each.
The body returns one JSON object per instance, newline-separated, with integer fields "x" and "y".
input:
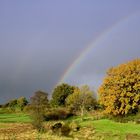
{"x": 120, "y": 91}
{"x": 60, "y": 93}
{"x": 81, "y": 99}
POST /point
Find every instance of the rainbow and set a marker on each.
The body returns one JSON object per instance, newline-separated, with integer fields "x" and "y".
{"x": 93, "y": 44}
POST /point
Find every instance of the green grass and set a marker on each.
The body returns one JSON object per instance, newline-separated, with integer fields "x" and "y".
{"x": 106, "y": 125}
{"x": 14, "y": 118}
{"x": 109, "y": 129}
{"x": 115, "y": 127}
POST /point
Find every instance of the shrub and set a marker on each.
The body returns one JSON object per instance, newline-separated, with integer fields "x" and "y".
{"x": 58, "y": 114}
{"x": 61, "y": 129}
{"x": 126, "y": 118}
{"x": 37, "y": 123}
{"x": 65, "y": 130}
{"x": 56, "y": 128}
{"x": 74, "y": 126}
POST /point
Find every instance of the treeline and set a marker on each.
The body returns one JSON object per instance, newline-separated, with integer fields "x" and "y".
{"x": 15, "y": 105}
{"x": 77, "y": 100}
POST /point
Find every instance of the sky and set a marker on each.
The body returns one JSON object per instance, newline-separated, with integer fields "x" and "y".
{"x": 47, "y": 42}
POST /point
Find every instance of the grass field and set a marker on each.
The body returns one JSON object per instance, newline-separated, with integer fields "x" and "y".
{"x": 18, "y": 126}
{"x": 14, "y": 118}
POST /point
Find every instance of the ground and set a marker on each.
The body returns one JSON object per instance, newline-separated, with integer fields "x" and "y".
{"x": 18, "y": 127}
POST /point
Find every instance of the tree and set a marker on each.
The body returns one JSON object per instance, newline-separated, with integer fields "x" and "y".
{"x": 22, "y": 102}
{"x": 60, "y": 93}
{"x": 39, "y": 105}
{"x": 12, "y": 104}
{"x": 120, "y": 91}
{"x": 16, "y": 104}
{"x": 81, "y": 100}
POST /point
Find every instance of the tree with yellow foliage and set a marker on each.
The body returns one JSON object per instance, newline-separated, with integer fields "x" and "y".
{"x": 120, "y": 91}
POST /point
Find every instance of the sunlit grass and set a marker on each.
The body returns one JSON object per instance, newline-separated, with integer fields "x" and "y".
{"x": 115, "y": 127}
{"x": 14, "y": 126}
{"x": 8, "y": 118}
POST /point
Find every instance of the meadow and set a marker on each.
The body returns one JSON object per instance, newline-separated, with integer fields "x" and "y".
{"x": 18, "y": 126}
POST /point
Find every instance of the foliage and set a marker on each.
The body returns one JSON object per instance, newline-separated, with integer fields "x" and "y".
{"x": 15, "y": 105}
{"x": 62, "y": 129}
{"x": 22, "y": 102}
{"x": 120, "y": 91}
{"x": 39, "y": 104}
{"x": 60, "y": 93}
{"x": 65, "y": 129}
{"x": 11, "y": 106}
{"x": 135, "y": 118}
{"x": 74, "y": 126}
{"x": 81, "y": 100}
{"x": 56, "y": 128}
{"x": 58, "y": 114}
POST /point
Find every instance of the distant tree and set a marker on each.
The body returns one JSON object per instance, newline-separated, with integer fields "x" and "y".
{"x": 22, "y": 102}
{"x": 16, "y": 104}
{"x": 12, "y": 104}
{"x": 81, "y": 100}
{"x": 120, "y": 91}
{"x": 39, "y": 104}
{"x": 60, "y": 93}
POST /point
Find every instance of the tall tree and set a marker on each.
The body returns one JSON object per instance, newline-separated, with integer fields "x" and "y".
{"x": 39, "y": 104}
{"x": 60, "y": 93}
{"x": 120, "y": 91}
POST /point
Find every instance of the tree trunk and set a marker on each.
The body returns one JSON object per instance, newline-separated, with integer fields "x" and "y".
{"x": 82, "y": 112}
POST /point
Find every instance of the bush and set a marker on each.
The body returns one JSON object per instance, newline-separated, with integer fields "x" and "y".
{"x": 74, "y": 126}
{"x": 126, "y": 118}
{"x": 61, "y": 129}
{"x": 37, "y": 122}
{"x": 65, "y": 130}
{"x": 58, "y": 114}
{"x": 56, "y": 128}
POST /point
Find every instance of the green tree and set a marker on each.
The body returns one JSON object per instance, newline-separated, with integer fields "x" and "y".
{"x": 82, "y": 99}
{"x": 120, "y": 91}
{"x": 12, "y": 104}
{"x": 22, "y": 102}
{"x": 60, "y": 93}
{"x": 39, "y": 105}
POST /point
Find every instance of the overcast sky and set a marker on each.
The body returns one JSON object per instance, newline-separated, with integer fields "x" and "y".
{"x": 40, "y": 39}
